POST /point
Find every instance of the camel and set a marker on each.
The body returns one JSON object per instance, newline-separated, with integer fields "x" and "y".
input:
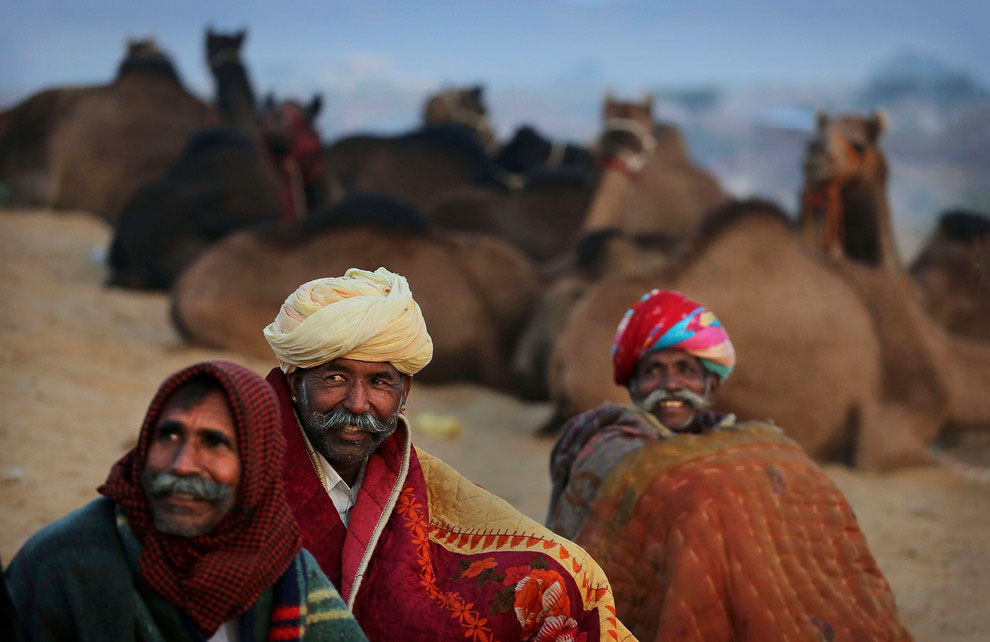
{"x": 91, "y": 148}
{"x": 474, "y": 291}
{"x": 648, "y": 185}
{"x": 951, "y": 274}
{"x": 841, "y": 357}
{"x": 227, "y": 178}
{"x": 844, "y": 208}
{"x": 415, "y": 166}
{"x": 464, "y": 106}
{"x": 529, "y": 154}
{"x": 235, "y": 97}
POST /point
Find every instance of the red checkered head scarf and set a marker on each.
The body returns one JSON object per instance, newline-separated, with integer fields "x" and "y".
{"x": 666, "y": 319}
{"x": 218, "y": 576}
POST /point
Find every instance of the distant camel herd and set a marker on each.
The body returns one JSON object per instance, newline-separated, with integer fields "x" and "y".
{"x": 524, "y": 254}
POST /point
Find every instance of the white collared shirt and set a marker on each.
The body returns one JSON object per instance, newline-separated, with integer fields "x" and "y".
{"x": 342, "y": 495}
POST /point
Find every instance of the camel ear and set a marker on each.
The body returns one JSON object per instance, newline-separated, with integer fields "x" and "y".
{"x": 609, "y": 101}
{"x": 476, "y": 92}
{"x": 876, "y": 125}
{"x": 821, "y": 120}
{"x": 314, "y": 108}
{"x": 239, "y": 37}
{"x": 268, "y": 103}
{"x": 648, "y": 102}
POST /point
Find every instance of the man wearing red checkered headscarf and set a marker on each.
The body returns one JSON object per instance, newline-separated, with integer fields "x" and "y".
{"x": 193, "y": 538}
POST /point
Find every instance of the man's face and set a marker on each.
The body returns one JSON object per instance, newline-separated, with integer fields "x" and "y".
{"x": 193, "y": 468}
{"x": 348, "y": 407}
{"x": 674, "y": 386}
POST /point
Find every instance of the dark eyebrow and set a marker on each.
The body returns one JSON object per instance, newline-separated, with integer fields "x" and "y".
{"x": 169, "y": 424}
{"x": 217, "y": 436}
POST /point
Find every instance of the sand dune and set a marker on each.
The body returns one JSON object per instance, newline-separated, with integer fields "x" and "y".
{"x": 81, "y": 361}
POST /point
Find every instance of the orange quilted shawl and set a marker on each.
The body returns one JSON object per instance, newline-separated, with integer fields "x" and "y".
{"x": 732, "y": 535}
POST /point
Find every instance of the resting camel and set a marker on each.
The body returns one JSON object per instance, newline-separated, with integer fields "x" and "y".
{"x": 461, "y": 106}
{"x": 226, "y": 178}
{"x": 952, "y": 274}
{"x": 414, "y": 167}
{"x": 91, "y": 148}
{"x": 844, "y": 208}
{"x": 845, "y": 361}
{"x": 474, "y": 291}
{"x": 648, "y": 185}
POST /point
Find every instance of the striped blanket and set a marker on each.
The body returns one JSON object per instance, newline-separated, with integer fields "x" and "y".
{"x": 78, "y": 579}
{"x": 731, "y": 535}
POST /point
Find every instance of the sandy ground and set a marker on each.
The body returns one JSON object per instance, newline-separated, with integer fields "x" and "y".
{"x": 81, "y": 361}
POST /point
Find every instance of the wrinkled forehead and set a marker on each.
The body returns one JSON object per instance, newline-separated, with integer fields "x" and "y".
{"x": 668, "y": 356}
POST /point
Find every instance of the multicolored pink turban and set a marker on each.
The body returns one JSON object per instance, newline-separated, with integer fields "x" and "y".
{"x": 664, "y": 319}
{"x": 367, "y": 316}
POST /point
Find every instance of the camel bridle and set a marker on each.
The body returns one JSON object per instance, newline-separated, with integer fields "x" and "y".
{"x": 631, "y": 161}
{"x": 855, "y": 156}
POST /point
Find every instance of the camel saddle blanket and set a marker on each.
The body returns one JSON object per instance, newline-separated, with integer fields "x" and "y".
{"x": 428, "y": 555}
{"x": 734, "y": 534}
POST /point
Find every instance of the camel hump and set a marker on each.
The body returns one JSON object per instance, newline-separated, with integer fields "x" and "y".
{"x": 144, "y": 57}
{"x": 370, "y": 209}
{"x": 963, "y": 225}
{"x": 724, "y": 216}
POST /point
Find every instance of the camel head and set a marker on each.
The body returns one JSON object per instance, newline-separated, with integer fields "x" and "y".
{"x": 289, "y": 126}
{"x": 223, "y": 48}
{"x": 461, "y": 106}
{"x": 844, "y": 207}
{"x": 845, "y": 149}
{"x": 627, "y": 139}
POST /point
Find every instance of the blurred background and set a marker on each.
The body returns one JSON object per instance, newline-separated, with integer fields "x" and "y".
{"x": 741, "y": 80}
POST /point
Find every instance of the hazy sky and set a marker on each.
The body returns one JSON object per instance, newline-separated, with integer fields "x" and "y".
{"x": 382, "y": 53}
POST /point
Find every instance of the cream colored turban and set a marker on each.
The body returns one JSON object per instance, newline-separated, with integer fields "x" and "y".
{"x": 367, "y": 316}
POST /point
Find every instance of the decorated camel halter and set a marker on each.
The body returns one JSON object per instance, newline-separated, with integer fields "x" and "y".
{"x": 627, "y": 160}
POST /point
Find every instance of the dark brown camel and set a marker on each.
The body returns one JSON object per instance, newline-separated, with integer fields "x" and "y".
{"x": 952, "y": 274}
{"x": 415, "y": 167}
{"x": 91, "y": 148}
{"x": 474, "y": 291}
{"x": 226, "y": 178}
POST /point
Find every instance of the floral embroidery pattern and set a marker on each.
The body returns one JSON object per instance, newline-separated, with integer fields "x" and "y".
{"x": 460, "y": 610}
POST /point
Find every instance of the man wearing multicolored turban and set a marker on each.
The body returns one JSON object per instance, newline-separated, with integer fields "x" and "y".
{"x": 709, "y": 529}
{"x": 418, "y": 551}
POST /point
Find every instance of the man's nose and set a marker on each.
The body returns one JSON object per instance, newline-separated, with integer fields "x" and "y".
{"x": 186, "y": 460}
{"x": 357, "y": 399}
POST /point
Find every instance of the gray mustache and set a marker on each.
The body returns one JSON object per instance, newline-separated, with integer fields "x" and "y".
{"x": 653, "y": 400}
{"x": 340, "y": 418}
{"x": 162, "y": 484}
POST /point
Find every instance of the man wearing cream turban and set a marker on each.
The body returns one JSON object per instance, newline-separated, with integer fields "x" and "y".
{"x": 709, "y": 529}
{"x": 418, "y": 551}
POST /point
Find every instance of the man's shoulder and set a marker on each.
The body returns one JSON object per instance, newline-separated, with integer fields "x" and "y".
{"x": 66, "y": 537}
{"x": 458, "y": 504}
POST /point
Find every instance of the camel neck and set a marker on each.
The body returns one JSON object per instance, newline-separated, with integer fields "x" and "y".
{"x": 235, "y": 97}
{"x": 609, "y": 203}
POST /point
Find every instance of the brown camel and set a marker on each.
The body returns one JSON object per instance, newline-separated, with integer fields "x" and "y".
{"x": 874, "y": 383}
{"x": 648, "y": 185}
{"x": 952, "y": 274}
{"x": 844, "y": 208}
{"x": 90, "y": 148}
{"x": 474, "y": 291}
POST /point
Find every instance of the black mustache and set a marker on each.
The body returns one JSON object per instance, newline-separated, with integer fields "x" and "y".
{"x": 161, "y": 484}
{"x": 340, "y": 418}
